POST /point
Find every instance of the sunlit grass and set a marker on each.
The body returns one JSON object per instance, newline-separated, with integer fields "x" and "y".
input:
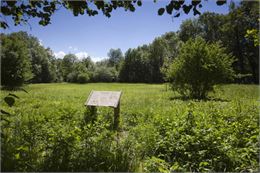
{"x": 152, "y": 118}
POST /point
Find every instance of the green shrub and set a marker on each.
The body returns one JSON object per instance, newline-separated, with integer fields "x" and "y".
{"x": 72, "y": 77}
{"x": 105, "y": 74}
{"x": 155, "y": 164}
{"x": 198, "y": 67}
{"x": 83, "y": 78}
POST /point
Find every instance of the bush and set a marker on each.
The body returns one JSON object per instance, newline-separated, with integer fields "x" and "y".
{"x": 105, "y": 74}
{"x": 72, "y": 77}
{"x": 198, "y": 67}
{"x": 83, "y": 78}
{"x": 155, "y": 164}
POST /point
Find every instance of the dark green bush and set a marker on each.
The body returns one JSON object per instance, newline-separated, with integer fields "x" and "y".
{"x": 155, "y": 164}
{"x": 83, "y": 78}
{"x": 105, "y": 74}
{"x": 72, "y": 77}
{"x": 198, "y": 67}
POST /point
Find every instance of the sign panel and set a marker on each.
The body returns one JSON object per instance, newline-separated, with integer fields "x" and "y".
{"x": 104, "y": 98}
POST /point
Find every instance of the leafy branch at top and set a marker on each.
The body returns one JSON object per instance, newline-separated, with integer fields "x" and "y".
{"x": 22, "y": 11}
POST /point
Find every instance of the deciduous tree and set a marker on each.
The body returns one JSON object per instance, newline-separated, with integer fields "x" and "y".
{"x": 15, "y": 62}
{"x": 198, "y": 67}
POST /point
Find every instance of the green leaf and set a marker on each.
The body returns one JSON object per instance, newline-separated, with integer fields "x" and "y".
{"x": 169, "y": 8}
{"x": 42, "y": 22}
{"x": 139, "y": 3}
{"x": 13, "y": 95}
{"x": 132, "y": 8}
{"x": 195, "y": 2}
{"x": 195, "y": 12}
{"x": 9, "y": 100}
{"x": 187, "y": 8}
{"x": 4, "y": 112}
{"x": 221, "y": 2}
{"x": 94, "y": 12}
{"x": 177, "y": 15}
{"x": 6, "y": 120}
{"x": 161, "y": 11}
{"x": 202, "y": 164}
{"x": 24, "y": 90}
{"x": 23, "y": 148}
{"x": 17, "y": 156}
{"x": 11, "y": 3}
{"x": 3, "y": 24}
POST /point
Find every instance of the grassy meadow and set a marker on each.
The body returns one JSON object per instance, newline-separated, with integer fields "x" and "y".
{"x": 49, "y": 130}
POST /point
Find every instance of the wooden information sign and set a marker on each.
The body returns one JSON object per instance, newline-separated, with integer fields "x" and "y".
{"x": 107, "y": 99}
{"x": 104, "y": 98}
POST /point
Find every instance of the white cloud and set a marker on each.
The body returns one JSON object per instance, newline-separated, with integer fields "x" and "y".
{"x": 81, "y": 55}
{"x": 73, "y": 48}
{"x": 96, "y": 59}
{"x": 40, "y": 42}
{"x": 59, "y": 54}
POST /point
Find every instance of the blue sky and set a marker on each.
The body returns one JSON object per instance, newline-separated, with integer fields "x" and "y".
{"x": 94, "y": 36}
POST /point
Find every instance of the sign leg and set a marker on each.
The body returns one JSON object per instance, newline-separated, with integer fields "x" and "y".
{"x": 116, "y": 117}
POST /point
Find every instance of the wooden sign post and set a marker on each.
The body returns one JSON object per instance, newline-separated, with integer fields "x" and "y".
{"x": 107, "y": 99}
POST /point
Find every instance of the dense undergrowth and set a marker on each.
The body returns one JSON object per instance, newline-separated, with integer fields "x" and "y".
{"x": 50, "y": 130}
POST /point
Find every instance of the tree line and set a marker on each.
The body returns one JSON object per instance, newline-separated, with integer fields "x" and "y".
{"x": 237, "y": 31}
{"x": 25, "y": 60}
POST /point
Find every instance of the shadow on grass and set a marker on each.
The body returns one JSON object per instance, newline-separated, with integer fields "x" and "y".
{"x": 185, "y": 98}
{"x": 5, "y": 88}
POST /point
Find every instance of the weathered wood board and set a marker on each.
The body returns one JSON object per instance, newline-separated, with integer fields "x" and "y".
{"x": 104, "y": 98}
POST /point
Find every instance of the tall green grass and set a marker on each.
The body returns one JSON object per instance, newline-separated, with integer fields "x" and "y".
{"x": 159, "y": 130}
